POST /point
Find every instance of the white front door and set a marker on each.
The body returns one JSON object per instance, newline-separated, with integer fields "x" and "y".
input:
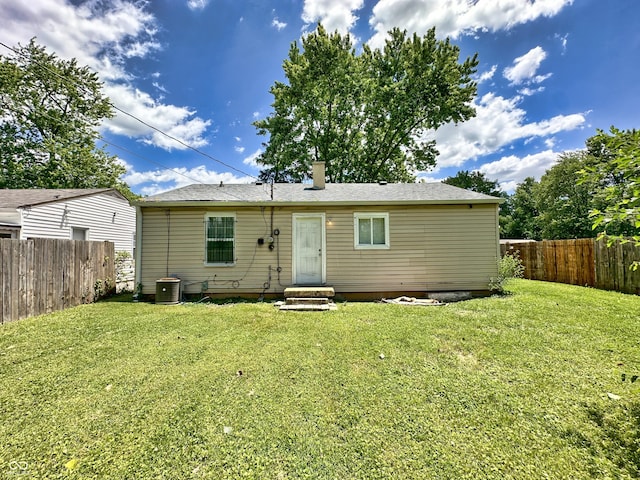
{"x": 308, "y": 249}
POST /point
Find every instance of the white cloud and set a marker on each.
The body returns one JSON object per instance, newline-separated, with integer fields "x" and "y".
{"x": 251, "y": 159}
{"x": 498, "y": 123}
{"x": 512, "y": 170}
{"x": 197, "y": 4}
{"x": 98, "y": 34}
{"x": 453, "y": 18}
{"x": 159, "y": 87}
{"x": 333, "y": 14}
{"x": 176, "y": 121}
{"x": 527, "y": 91}
{"x": 102, "y": 35}
{"x": 278, "y": 24}
{"x": 525, "y": 67}
{"x": 157, "y": 181}
{"x": 239, "y": 149}
{"x": 563, "y": 41}
{"x": 488, "y": 75}
{"x": 429, "y": 179}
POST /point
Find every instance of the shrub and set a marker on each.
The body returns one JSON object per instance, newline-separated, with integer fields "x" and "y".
{"x": 510, "y": 266}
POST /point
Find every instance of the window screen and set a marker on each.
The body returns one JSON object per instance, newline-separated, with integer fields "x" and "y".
{"x": 220, "y": 231}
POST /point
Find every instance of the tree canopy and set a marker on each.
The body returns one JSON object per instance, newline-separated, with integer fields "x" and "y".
{"x": 523, "y": 221}
{"x": 562, "y": 201}
{"x": 50, "y": 111}
{"x": 366, "y": 115}
{"x": 586, "y": 193}
{"x": 475, "y": 181}
{"x": 614, "y": 170}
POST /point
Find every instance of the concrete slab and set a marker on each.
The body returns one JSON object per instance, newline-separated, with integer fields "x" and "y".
{"x": 310, "y": 307}
{"x": 306, "y": 301}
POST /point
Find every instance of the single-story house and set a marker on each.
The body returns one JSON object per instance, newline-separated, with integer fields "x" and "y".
{"x": 99, "y": 214}
{"x": 364, "y": 240}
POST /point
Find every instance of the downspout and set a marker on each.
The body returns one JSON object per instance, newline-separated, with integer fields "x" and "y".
{"x": 498, "y": 232}
{"x": 138, "y": 255}
{"x": 21, "y": 227}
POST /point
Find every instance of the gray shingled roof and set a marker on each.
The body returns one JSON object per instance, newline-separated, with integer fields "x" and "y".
{"x": 34, "y": 196}
{"x": 333, "y": 193}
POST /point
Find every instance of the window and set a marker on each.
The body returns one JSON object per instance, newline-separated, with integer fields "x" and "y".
{"x": 371, "y": 230}
{"x": 79, "y": 233}
{"x": 10, "y": 232}
{"x": 220, "y": 239}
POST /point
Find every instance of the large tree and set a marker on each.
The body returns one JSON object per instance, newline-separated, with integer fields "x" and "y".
{"x": 476, "y": 182}
{"x": 614, "y": 170}
{"x": 524, "y": 221}
{"x": 365, "y": 115}
{"x": 563, "y": 201}
{"x": 50, "y": 111}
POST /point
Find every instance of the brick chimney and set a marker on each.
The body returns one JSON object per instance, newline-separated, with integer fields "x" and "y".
{"x": 318, "y": 175}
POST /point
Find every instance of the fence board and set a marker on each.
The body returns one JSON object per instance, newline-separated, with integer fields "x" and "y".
{"x": 5, "y": 248}
{"x": 43, "y": 275}
{"x": 585, "y": 276}
{"x": 537, "y": 259}
{"x": 549, "y": 255}
{"x": 29, "y": 272}
{"x": 631, "y": 277}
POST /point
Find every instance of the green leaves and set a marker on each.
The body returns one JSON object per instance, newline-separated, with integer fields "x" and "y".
{"x": 50, "y": 110}
{"x": 614, "y": 168}
{"x": 365, "y": 115}
{"x": 588, "y": 193}
{"x": 563, "y": 201}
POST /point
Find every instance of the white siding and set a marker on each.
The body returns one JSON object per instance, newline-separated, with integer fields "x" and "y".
{"x": 432, "y": 248}
{"x": 93, "y": 212}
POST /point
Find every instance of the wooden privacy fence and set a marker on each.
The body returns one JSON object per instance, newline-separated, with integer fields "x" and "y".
{"x": 586, "y": 262}
{"x": 42, "y": 275}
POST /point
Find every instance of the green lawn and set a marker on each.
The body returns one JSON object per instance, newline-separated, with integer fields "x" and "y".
{"x": 528, "y": 385}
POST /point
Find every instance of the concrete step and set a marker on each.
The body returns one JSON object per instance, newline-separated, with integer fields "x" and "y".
{"x": 307, "y": 301}
{"x": 309, "y": 292}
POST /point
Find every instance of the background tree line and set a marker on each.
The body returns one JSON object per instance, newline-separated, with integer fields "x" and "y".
{"x": 586, "y": 193}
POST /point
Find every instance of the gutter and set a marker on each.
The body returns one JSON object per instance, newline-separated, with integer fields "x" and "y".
{"x": 316, "y": 203}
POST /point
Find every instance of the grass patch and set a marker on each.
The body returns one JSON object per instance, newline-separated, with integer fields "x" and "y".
{"x": 506, "y": 387}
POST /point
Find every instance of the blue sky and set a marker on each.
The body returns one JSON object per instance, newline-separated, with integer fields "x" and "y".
{"x": 550, "y": 73}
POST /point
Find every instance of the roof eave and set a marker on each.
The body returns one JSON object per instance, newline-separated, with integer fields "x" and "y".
{"x": 278, "y": 203}
{"x": 72, "y": 197}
